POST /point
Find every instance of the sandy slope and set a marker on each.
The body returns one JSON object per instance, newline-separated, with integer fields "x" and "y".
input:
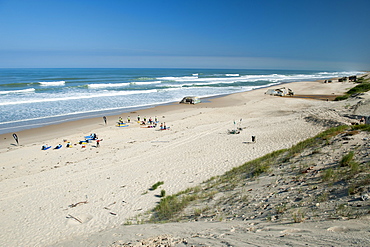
{"x": 50, "y": 196}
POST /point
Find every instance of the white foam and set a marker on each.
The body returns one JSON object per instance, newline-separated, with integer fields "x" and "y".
{"x": 29, "y": 90}
{"x": 181, "y": 78}
{"x": 108, "y": 85}
{"x": 232, "y": 75}
{"x": 78, "y": 97}
{"x": 145, "y": 82}
{"x": 52, "y": 83}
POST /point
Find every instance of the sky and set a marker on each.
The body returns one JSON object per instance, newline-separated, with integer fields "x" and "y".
{"x": 229, "y": 34}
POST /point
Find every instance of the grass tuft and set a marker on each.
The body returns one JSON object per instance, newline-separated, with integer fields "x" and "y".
{"x": 347, "y": 159}
{"x": 156, "y": 185}
{"x": 363, "y": 86}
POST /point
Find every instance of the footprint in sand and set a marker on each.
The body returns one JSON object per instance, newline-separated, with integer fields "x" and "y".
{"x": 338, "y": 229}
{"x": 294, "y": 230}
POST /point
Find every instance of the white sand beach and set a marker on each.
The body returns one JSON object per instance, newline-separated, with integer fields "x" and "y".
{"x": 51, "y": 196}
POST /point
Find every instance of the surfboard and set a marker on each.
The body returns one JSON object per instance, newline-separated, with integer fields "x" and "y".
{"x": 122, "y": 125}
{"x": 46, "y": 148}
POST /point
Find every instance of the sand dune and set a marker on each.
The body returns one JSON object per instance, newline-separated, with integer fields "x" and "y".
{"x": 51, "y": 196}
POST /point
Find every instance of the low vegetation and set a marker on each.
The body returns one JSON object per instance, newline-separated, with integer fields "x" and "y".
{"x": 156, "y": 185}
{"x": 363, "y": 86}
{"x": 231, "y": 185}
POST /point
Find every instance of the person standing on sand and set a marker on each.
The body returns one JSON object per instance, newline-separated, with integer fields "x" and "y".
{"x": 138, "y": 118}
{"x": 128, "y": 119}
{"x": 105, "y": 119}
{"x": 98, "y": 143}
{"x": 253, "y": 138}
{"x": 16, "y": 138}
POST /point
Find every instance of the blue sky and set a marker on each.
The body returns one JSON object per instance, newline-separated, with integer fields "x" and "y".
{"x": 251, "y": 34}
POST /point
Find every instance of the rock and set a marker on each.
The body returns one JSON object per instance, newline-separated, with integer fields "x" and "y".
{"x": 365, "y": 197}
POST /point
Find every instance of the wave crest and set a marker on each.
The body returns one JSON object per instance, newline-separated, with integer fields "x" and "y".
{"x": 29, "y": 90}
{"x": 52, "y": 83}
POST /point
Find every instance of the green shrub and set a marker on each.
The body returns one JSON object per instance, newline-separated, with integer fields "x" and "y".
{"x": 324, "y": 197}
{"x": 170, "y": 206}
{"x": 299, "y": 216}
{"x": 281, "y": 208}
{"x": 328, "y": 175}
{"x": 342, "y": 97}
{"x": 156, "y": 185}
{"x": 343, "y": 210}
{"x": 354, "y": 168}
{"x": 346, "y": 160}
{"x": 363, "y": 86}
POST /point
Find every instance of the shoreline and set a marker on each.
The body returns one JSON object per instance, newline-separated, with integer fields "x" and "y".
{"x": 91, "y": 119}
{"x": 54, "y": 120}
{"x": 39, "y": 187}
{"x": 18, "y": 126}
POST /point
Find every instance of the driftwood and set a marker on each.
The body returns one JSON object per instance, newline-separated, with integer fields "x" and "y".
{"x": 70, "y": 216}
{"x": 76, "y": 204}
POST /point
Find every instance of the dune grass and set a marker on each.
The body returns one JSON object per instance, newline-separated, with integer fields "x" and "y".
{"x": 156, "y": 185}
{"x": 170, "y": 207}
{"x": 363, "y": 86}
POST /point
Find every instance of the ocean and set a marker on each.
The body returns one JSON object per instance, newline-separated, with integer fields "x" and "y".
{"x": 35, "y": 97}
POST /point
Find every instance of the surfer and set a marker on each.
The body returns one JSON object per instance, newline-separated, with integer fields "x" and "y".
{"x": 128, "y": 119}
{"x": 58, "y": 146}
{"x": 105, "y": 119}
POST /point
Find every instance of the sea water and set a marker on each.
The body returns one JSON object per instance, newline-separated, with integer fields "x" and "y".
{"x": 35, "y": 97}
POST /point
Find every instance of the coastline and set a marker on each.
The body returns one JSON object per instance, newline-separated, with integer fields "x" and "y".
{"x": 23, "y": 123}
{"x": 62, "y": 125}
{"x": 39, "y": 187}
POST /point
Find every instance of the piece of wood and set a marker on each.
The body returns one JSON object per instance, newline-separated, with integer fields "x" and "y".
{"x": 76, "y": 204}
{"x": 75, "y": 218}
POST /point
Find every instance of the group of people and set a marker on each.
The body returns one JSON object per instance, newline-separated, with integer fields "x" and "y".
{"x": 148, "y": 123}
{"x": 91, "y": 137}
{"x": 144, "y": 121}
{"x": 163, "y": 126}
